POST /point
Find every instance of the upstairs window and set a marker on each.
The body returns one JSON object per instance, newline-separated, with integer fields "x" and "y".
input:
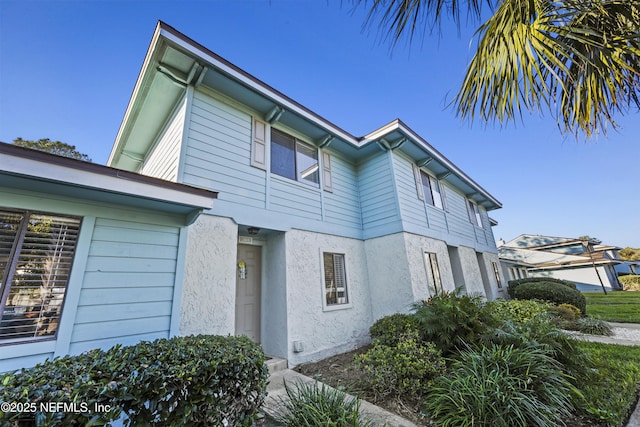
{"x": 474, "y": 214}
{"x": 431, "y": 190}
{"x": 294, "y": 159}
{"x": 36, "y": 255}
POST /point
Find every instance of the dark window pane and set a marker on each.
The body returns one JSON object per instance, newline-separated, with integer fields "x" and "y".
{"x": 283, "y": 155}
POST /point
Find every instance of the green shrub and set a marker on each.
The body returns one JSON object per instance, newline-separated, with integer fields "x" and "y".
{"x": 590, "y": 325}
{"x": 552, "y": 292}
{"x": 512, "y": 285}
{"x": 518, "y": 311}
{"x": 630, "y": 282}
{"x": 406, "y": 368}
{"x": 450, "y": 320}
{"x": 318, "y": 405}
{"x": 389, "y": 329}
{"x": 502, "y": 387}
{"x": 566, "y": 312}
{"x": 540, "y": 332}
{"x": 195, "y": 380}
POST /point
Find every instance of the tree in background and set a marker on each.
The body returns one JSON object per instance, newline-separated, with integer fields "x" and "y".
{"x": 54, "y": 147}
{"x": 580, "y": 60}
{"x": 630, "y": 254}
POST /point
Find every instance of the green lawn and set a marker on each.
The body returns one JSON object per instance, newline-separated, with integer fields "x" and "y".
{"x": 615, "y": 306}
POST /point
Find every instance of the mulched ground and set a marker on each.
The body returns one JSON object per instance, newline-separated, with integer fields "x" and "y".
{"x": 338, "y": 372}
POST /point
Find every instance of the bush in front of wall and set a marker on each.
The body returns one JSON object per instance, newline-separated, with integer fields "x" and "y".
{"x": 501, "y": 386}
{"x": 453, "y": 321}
{"x": 549, "y": 291}
{"x": 194, "y": 380}
{"x": 389, "y": 330}
{"x": 513, "y": 284}
{"x": 404, "y": 369}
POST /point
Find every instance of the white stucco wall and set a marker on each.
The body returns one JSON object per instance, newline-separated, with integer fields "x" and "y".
{"x": 471, "y": 271}
{"x": 208, "y": 296}
{"x": 274, "y": 297}
{"x": 416, "y": 246}
{"x": 324, "y": 332}
{"x": 389, "y": 275}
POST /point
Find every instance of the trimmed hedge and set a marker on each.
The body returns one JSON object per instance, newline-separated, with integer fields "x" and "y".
{"x": 195, "y": 380}
{"x": 512, "y": 285}
{"x": 550, "y": 291}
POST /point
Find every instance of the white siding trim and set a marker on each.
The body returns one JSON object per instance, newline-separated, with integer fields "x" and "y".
{"x": 74, "y": 288}
{"x": 174, "y": 326}
{"x": 259, "y": 144}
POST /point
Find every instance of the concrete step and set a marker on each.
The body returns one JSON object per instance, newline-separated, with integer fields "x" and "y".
{"x": 276, "y": 364}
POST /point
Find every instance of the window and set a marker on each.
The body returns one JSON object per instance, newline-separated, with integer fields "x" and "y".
{"x": 474, "y": 214}
{"x": 36, "y": 255}
{"x": 497, "y": 274}
{"x": 335, "y": 279}
{"x": 435, "y": 284}
{"x": 294, "y": 159}
{"x": 431, "y": 190}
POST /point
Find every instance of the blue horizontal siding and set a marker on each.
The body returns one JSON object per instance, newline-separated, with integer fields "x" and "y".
{"x": 128, "y": 284}
{"x": 380, "y": 212}
{"x": 294, "y": 198}
{"x": 342, "y": 205}
{"x": 218, "y": 152}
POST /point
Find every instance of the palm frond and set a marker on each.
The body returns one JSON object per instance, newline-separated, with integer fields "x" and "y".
{"x": 578, "y": 59}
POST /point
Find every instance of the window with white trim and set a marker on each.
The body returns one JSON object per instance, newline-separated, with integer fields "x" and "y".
{"x": 294, "y": 159}
{"x": 431, "y": 190}
{"x": 335, "y": 279}
{"x": 36, "y": 255}
{"x": 474, "y": 214}
{"x": 435, "y": 281}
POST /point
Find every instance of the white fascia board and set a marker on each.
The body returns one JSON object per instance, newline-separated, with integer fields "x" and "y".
{"x": 134, "y": 94}
{"x": 106, "y": 183}
{"x": 279, "y": 99}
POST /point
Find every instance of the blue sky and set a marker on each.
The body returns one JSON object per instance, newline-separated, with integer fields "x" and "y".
{"x": 67, "y": 70}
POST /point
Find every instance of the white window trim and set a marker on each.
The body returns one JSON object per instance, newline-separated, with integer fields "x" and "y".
{"x": 475, "y": 215}
{"x": 437, "y": 197}
{"x": 326, "y": 307}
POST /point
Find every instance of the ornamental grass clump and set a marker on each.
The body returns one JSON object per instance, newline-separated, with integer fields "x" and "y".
{"x": 501, "y": 386}
{"x": 318, "y": 405}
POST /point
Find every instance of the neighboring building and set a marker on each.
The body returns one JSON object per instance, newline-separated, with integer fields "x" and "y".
{"x": 316, "y": 233}
{"x": 90, "y": 256}
{"x": 589, "y": 264}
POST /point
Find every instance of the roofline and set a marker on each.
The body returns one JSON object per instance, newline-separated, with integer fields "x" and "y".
{"x": 163, "y": 29}
{"x": 67, "y": 170}
{"x": 399, "y": 125}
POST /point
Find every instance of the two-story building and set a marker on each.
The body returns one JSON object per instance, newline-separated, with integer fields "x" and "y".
{"x": 316, "y": 233}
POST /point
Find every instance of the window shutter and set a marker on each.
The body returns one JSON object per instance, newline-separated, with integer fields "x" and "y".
{"x": 327, "y": 184}
{"x": 259, "y": 145}
{"x": 418, "y": 179}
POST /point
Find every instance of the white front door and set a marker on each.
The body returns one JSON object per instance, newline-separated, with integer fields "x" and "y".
{"x": 248, "y": 272}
